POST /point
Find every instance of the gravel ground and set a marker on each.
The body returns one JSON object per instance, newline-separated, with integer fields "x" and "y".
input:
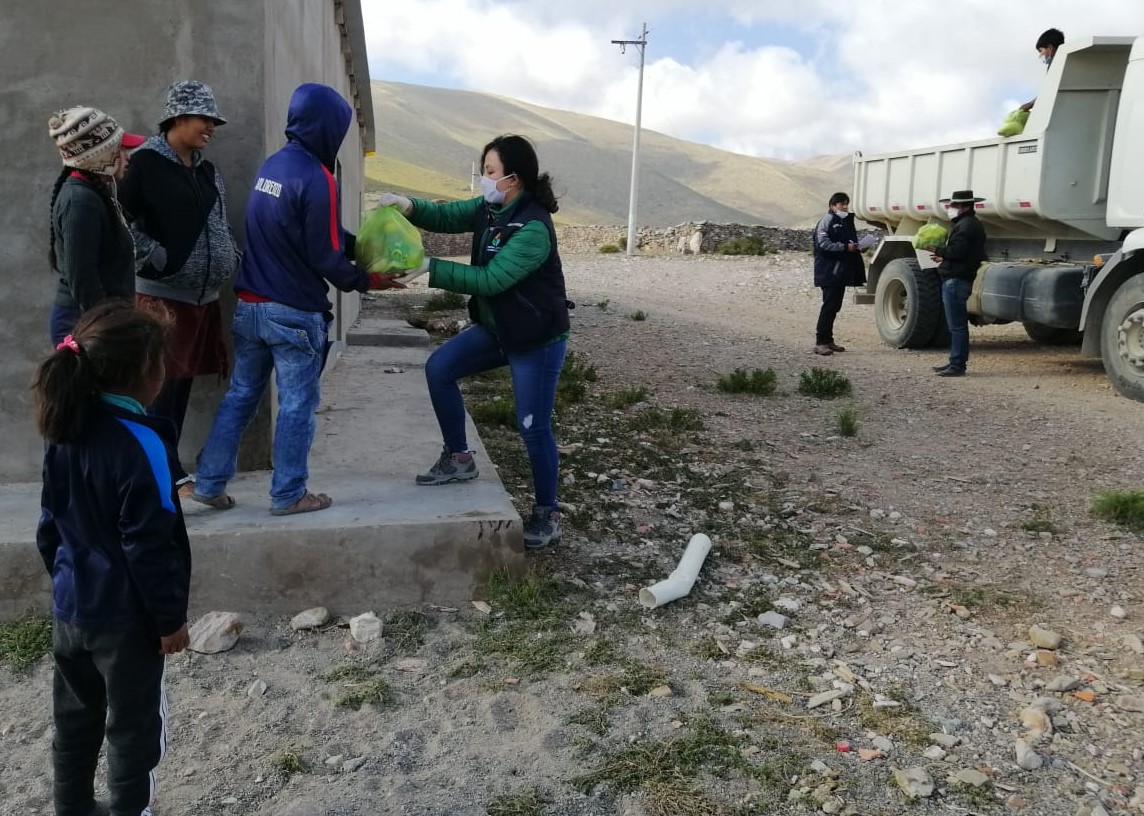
{"x": 909, "y": 562}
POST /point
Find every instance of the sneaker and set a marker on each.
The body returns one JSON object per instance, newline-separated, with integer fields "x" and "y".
{"x": 941, "y": 367}
{"x": 835, "y": 347}
{"x": 950, "y": 371}
{"x": 824, "y": 350}
{"x": 542, "y": 529}
{"x": 449, "y": 468}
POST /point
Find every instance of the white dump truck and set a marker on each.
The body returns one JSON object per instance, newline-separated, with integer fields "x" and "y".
{"x": 1063, "y": 212}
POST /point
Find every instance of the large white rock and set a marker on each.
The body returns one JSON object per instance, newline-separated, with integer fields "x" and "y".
{"x": 310, "y": 619}
{"x": 216, "y": 632}
{"x": 365, "y": 628}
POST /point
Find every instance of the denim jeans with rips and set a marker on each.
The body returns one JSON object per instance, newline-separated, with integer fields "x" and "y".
{"x": 534, "y": 375}
{"x": 954, "y": 296}
{"x": 291, "y": 343}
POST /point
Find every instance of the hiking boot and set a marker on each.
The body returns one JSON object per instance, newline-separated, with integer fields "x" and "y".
{"x": 542, "y": 529}
{"x": 450, "y": 468}
{"x": 941, "y": 367}
{"x": 950, "y": 371}
{"x": 835, "y": 347}
{"x": 823, "y": 349}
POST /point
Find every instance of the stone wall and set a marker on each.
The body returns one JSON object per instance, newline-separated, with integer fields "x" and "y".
{"x": 689, "y": 238}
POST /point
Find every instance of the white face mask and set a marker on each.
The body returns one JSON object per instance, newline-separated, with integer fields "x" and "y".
{"x": 1047, "y": 59}
{"x": 489, "y": 189}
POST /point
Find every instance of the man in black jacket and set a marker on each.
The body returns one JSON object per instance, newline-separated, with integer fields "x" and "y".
{"x": 957, "y": 266}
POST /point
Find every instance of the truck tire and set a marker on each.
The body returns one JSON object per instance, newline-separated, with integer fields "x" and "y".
{"x": 1122, "y": 339}
{"x": 907, "y": 304}
{"x": 1051, "y": 335}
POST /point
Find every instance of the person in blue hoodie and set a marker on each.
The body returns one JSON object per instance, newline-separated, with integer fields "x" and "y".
{"x": 295, "y": 246}
{"x": 112, "y": 537}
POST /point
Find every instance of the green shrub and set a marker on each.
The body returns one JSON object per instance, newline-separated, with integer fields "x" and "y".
{"x": 1123, "y": 507}
{"x": 743, "y": 245}
{"x": 848, "y": 422}
{"x": 823, "y": 383}
{"x": 24, "y": 641}
{"x": 675, "y": 420}
{"x": 609, "y": 249}
{"x": 639, "y": 315}
{"x": 443, "y": 302}
{"x": 574, "y": 378}
{"x": 494, "y": 413}
{"x": 620, "y": 400}
{"x": 757, "y": 381}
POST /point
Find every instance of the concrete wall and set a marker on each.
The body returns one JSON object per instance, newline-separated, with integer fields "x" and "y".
{"x": 120, "y": 55}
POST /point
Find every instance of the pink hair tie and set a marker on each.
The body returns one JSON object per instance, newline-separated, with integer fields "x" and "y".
{"x": 70, "y": 344}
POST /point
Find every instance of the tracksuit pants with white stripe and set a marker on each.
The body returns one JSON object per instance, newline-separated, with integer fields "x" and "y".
{"x": 106, "y": 684}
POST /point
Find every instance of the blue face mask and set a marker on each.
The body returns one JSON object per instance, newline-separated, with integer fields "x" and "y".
{"x": 489, "y": 189}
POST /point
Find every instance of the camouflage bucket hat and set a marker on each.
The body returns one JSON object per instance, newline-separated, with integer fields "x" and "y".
{"x": 191, "y": 98}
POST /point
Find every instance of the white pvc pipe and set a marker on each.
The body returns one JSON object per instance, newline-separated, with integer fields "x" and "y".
{"x": 682, "y": 578}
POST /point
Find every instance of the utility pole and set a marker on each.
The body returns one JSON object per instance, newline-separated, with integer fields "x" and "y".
{"x": 641, "y": 43}
{"x": 473, "y": 179}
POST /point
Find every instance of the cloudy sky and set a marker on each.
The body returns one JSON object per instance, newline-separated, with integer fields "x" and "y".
{"x": 784, "y": 79}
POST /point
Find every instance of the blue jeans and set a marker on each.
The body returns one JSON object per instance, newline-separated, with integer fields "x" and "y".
{"x": 61, "y": 322}
{"x": 292, "y": 343}
{"x": 954, "y": 294}
{"x": 534, "y": 375}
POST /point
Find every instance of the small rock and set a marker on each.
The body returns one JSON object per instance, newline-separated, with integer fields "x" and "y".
{"x": 1062, "y": 684}
{"x": 935, "y": 752}
{"x": 1043, "y": 657}
{"x": 726, "y": 506}
{"x": 411, "y": 664}
{"x": 1134, "y": 643}
{"x": 1027, "y": 758}
{"x": 215, "y": 632}
{"x": 1036, "y": 720}
{"x": 825, "y": 697}
{"x": 773, "y": 619}
{"x": 228, "y": 801}
{"x": 944, "y": 740}
{"x": 883, "y": 744}
{"x": 870, "y": 754}
{"x": 902, "y": 580}
{"x": 256, "y": 690}
{"x": 835, "y": 804}
{"x": 585, "y": 624}
{"x": 1118, "y": 612}
{"x": 1043, "y": 638}
{"x": 365, "y": 628}
{"x": 334, "y": 761}
{"x": 971, "y": 777}
{"x": 351, "y": 765}
{"x": 482, "y": 607}
{"x": 660, "y": 692}
{"x": 914, "y": 782}
{"x": 310, "y": 619}
{"x": 1096, "y": 572}
{"x": 1130, "y": 703}
{"x": 788, "y": 604}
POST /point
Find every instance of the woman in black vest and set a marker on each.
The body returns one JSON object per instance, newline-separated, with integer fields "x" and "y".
{"x": 519, "y": 311}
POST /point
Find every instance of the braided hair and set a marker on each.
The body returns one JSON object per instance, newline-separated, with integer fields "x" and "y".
{"x": 101, "y": 188}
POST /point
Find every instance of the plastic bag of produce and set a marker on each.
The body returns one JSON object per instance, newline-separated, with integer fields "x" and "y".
{"x": 931, "y": 237}
{"x": 1014, "y": 124}
{"x": 388, "y": 243}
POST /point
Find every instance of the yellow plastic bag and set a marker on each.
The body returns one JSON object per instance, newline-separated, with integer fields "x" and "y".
{"x": 931, "y": 237}
{"x": 388, "y": 243}
{"x": 1014, "y": 124}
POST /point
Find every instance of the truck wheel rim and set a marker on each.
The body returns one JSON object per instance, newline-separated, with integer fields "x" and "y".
{"x": 895, "y": 305}
{"x": 1130, "y": 339}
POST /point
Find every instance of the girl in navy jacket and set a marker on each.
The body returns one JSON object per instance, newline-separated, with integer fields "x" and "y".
{"x": 112, "y": 537}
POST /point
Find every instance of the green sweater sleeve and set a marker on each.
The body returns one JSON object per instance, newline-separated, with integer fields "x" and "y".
{"x": 522, "y": 254}
{"x": 452, "y": 216}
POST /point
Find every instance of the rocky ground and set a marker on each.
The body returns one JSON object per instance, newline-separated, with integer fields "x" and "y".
{"x": 922, "y": 617}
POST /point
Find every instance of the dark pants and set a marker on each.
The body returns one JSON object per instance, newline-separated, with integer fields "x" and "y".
{"x": 61, "y": 321}
{"x": 831, "y": 306}
{"x": 954, "y": 296}
{"x": 172, "y": 404}
{"x": 106, "y": 684}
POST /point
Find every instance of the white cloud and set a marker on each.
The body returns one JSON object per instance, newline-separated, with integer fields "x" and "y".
{"x": 880, "y": 75}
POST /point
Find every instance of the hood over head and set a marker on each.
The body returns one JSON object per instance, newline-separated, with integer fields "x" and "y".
{"x": 319, "y": 119}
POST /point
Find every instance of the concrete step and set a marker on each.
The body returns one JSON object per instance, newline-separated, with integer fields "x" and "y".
{"x": 383, "y": 331}
{"x": 385, "y": 543}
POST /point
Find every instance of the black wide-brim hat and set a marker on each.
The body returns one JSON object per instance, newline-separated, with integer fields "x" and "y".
{"x": 961, "y": 197}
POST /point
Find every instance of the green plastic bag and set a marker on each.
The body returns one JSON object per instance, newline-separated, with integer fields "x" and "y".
{"x": 1014, "y": 124}
{"x": 931, "y": 237}
{"x": 388, "y": 243}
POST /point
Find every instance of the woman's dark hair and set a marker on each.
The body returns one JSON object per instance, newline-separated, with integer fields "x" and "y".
{"x": 839, "y": 198}
{"x": 119, "y": 347}
{"x": 519, "y": 158}
{"x": 1052, "y": 37}
{"x": 99, "y": 187}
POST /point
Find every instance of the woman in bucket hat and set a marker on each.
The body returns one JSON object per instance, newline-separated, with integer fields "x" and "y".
{"x": 89, "y": 245}
{"x": 175, "y": 201}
